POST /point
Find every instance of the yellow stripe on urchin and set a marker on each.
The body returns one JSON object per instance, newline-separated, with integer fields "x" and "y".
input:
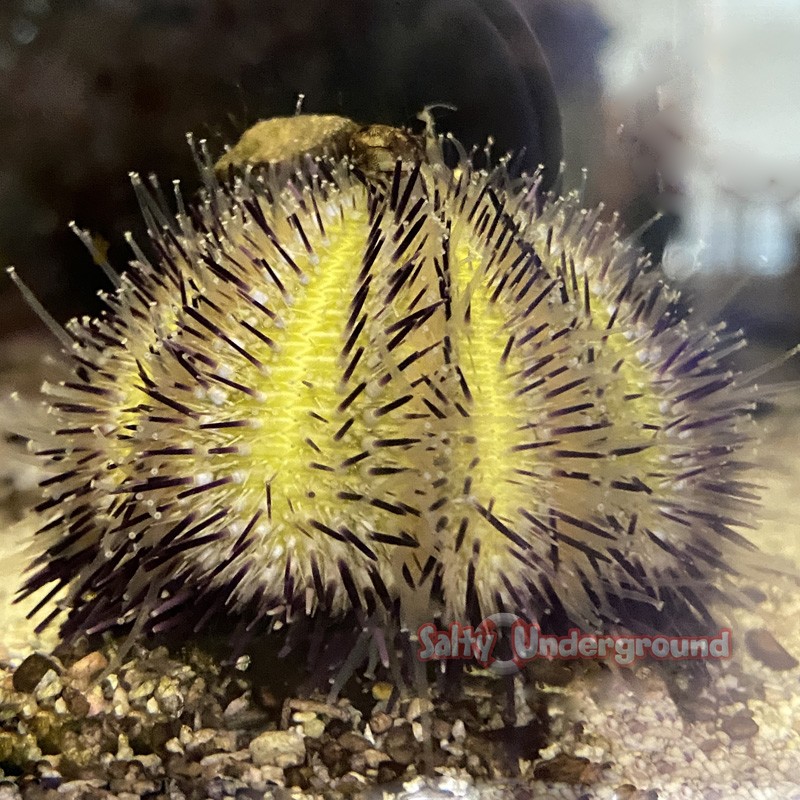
{"x": 303, "y": 382}
{"x": 626, "y": 489}
{"x": 99, "y": 410}
{"x": 311, "y": 462}
{"x": 612, "y": 345}
{"x": 487, "y": 428}
{"x": 497, "y": 415}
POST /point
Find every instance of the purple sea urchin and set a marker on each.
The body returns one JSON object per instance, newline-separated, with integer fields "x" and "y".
{"x": 427, "y": 394}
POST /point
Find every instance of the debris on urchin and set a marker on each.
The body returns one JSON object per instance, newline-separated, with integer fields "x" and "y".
{"x": 427, "y": 395}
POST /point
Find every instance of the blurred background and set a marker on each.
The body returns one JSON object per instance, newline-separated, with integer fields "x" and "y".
{"x": 686, "y": 109}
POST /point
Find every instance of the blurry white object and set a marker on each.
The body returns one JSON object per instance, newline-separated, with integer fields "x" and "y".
{"x": 734, "y": 120}
{"x": 744, "y": 167}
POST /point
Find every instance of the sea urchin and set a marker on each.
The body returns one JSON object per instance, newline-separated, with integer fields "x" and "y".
{"x": 423, "y": 394}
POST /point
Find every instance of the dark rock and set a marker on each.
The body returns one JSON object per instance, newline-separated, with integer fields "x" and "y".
{"x": 49, "y": 778}
{"x": 440, "y": 729}
{"x": 77, "y": 704}
{"x": 380, "y": 723}
{"x": 337, "y": 728}
{"x": 400, "y": 744}
{"x": 389, "y": 772}
{"x": 755, "y": 594}
{"x": 249, "y": 794}
{"x": 740, "y": 727}
{"x": 152, "y": 739}
{"x": 703, "y": 710}
{"x": 349, "y": 785}
{"x": 335, "y": 759}
{"x": 37, "y": 791}
{"x": 564, "y": 768}
{"x": 358, "y": 763}
{"x": 31, "y": 671}
{"x": 210, "y": 711}
{"x": 117, "y": 770}
{"x": 299, "y": 777}
{"x": 353, "y": 742}
{"x": 765, "y": 648}
{"x": 710, "y": 745}
{"x": 182, "y": 768}
{"x": 517, "y": 742}
{"x": 215, "y": 788}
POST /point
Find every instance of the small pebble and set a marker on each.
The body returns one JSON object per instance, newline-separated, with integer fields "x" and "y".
{"x": 237, "y": 706}
{"x": 374, "y": 758}
{"x": 380, "y": 723}
{"x": 703, "y": 710}
{"x": 87, "y": 668}
{"x": 400, "y": 744}
{"x": 242, "y": 663}
{"x": 278, "y": 748}
{"x": 353, "y": 742}
{"x": 314, "y": 728}
{"x": 150, "y": 761}
{"x": 272, "y": 775}
{"x": 142, "y": 690}
{"x": 49, "y": 777}
{"x": 221, "y": 760}
{"x": 710, "y": 745}
{"x": 382, "y": 690}
{"x": 740, "y": 727}
{"x": 124, "y": 750}
{"x": 564, "y": 768}
{"x": 765, "y": 648}
{"x": 96, "y": 701}
{"x": 440, "y": 729}
{"x": 417, "y": 707}
{"x": 49, "y": 686}
{"x": 335, "y": 759}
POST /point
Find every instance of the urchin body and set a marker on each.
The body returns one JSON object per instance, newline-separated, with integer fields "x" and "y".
{"x": 426, "y": 395}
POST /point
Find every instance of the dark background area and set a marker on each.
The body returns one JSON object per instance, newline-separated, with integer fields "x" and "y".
{"x": 92, "y": 89}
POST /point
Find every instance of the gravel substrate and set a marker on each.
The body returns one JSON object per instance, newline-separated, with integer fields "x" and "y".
{"x": 177, "y": 727}
{"x": 164, "y": 727}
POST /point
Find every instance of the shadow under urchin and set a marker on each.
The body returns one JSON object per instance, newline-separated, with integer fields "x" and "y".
{"x": 334, "y": 406}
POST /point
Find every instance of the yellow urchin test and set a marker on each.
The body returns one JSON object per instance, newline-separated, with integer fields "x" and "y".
{"x": 424, "y": 394}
